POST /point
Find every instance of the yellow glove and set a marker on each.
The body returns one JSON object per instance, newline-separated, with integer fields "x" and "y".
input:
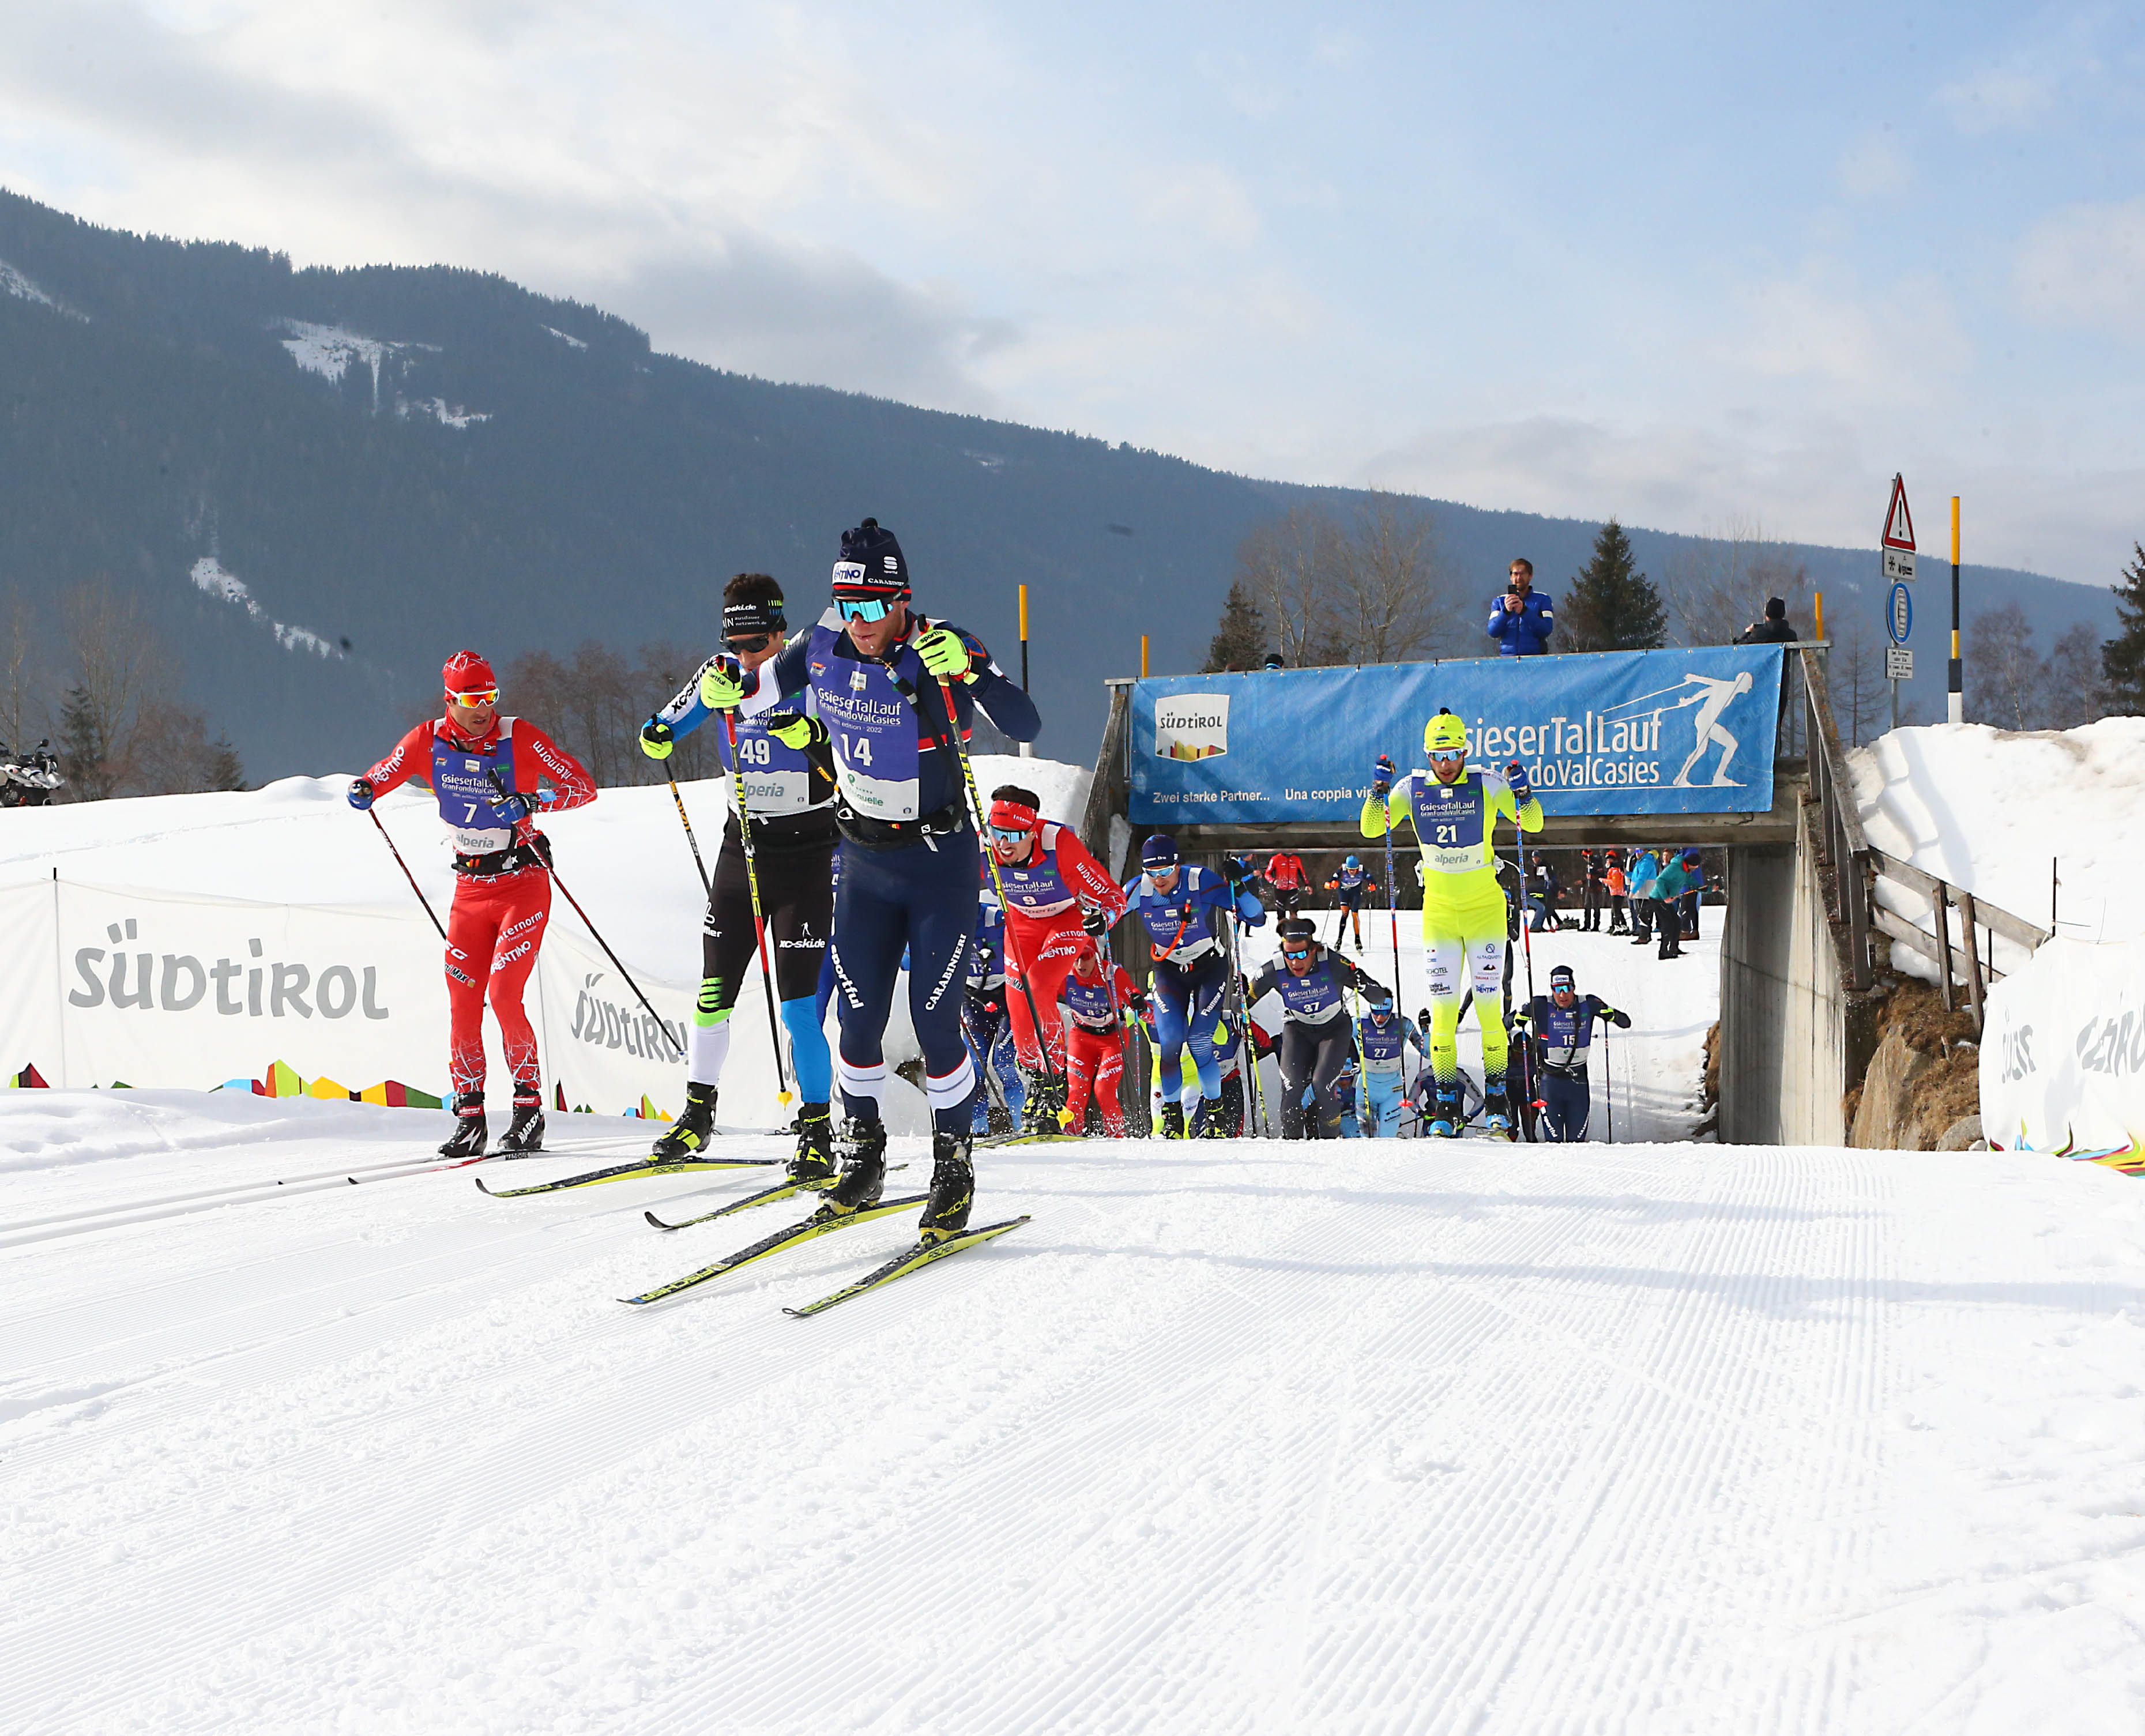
{"x": 793, "y": 729}
{"x": 721, "y": 690}
{"x": 944, "y": 654}
{"x": 657, "y": 738}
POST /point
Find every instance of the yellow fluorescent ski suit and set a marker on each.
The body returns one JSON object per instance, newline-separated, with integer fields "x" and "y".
{"x": 1463, "y": 908}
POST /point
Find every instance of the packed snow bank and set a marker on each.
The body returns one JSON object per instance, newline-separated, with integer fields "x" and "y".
{"x": 1374, "y": 1437}
{"x": 1992, "y": 812}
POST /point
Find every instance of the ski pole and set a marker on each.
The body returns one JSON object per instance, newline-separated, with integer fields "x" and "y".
{"x": 406, "y": 874}
{"x": 1013, "y": 967}
{"x": 1249, "y": 1044}
{"x": 1609, "y": 1081}
{"x": 685, "y": 820}
{"x": 1527, "y": 942}
{"x": 759, "y": 923}
{"x": 493, "y": 778}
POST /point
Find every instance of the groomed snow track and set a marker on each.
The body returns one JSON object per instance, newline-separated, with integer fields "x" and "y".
{"x": 1381, "y": 1438}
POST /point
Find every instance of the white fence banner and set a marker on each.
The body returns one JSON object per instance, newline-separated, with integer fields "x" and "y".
{"x": 109, "y": 983}
{"x": 2062, "y": 1050}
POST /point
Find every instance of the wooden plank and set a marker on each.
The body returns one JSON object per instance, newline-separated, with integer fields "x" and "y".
{"x": 1992, "y": 917}
{"x": 1889, "y": 922}
{"x": 1940, "y": 908}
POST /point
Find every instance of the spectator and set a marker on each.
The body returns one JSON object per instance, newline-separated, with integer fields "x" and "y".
{"x": 1521, "y": 620}
{"x": 1644, "y": 868}
{"x": 1694, "y": 870}
{"x": 1668, "y": 920}
{"x": 1618, "y": 885}
{"x": 1773, "y": 630}
{"x": 1541, "y": 899}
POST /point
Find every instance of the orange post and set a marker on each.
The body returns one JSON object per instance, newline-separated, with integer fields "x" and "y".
{"x": 1142, "y": 657}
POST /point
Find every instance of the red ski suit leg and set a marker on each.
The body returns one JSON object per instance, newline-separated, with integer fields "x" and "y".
{"x": 494, "y": 929}
{"x": 1042, "y": 950}
{"x": 1095, "y": 1060}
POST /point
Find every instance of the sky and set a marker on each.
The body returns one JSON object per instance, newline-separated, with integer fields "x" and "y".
{"x": 1700, "y": 267}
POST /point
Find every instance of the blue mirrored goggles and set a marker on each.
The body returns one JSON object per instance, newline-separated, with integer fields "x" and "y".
{"x": 1007, "y": 834}
{"x": 1302, "y": 951}
{"x": 863, "y": 609}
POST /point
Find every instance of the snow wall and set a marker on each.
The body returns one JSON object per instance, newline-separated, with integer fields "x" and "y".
{"x": 2062, "y": 1050}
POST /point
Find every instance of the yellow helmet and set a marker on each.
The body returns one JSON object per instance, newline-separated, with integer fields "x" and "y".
{"x": 1445, "y": 733}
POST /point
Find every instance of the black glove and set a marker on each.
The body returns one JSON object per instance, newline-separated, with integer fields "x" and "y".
{"x": 1237, "y": 871}
{"x": 1094, "y": 922}
{"x": 361, "y": 794}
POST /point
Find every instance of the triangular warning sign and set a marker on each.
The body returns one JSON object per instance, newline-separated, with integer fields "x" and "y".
{"x": 1898, "y": 522}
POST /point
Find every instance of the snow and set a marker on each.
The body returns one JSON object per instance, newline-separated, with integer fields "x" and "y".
{"x": 452, "y": 416}
{"x": 23, "y": 289}
{"x": 328, "y": 351}
{"x": 567, "y": 337}
{"x": 1992, "y": 811}
{"x": 211, "y": 577}
{"x": 1374, "y": 1437}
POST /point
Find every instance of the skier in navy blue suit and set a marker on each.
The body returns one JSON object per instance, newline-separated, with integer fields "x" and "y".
{"x": 873, "y": 668}
{"x": 1559, "y": 1028}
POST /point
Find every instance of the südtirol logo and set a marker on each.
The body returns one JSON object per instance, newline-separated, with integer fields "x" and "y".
{"x": 1192, "y": 726}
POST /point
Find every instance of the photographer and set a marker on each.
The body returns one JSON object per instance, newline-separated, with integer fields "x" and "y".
{"x": 1521, "y": 620}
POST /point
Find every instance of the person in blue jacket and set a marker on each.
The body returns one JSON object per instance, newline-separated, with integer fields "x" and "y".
{"x": 1559, "y": 1028}
{"x": 1521, "y": 620}
{"x": 1186, "y": 910}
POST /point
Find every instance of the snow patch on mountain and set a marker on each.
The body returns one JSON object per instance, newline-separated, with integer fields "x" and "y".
{"x": 452, "y": 415}
{"x": 23, "y": 289}
{"x": 328, "y": 351}
{"x": 567, "y": 337}
{"x": 211, "y": 577}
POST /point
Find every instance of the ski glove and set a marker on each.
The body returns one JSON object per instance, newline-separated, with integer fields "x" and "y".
{"x": 657, "y": 738}
{"x": 1621, "y": 1021}
{"x": 793, "y": 729}
{"x": 1515, "y": 775}
{"x": 1382, "y": 776}
{"x": 1237, "y": 871}
{"x": 361, "y": 793}
{"x": 944, "y": 654}
{"x": 517, "y": 806}
{"x": 722, "y": 686}
{"x": 1094, "y": 922}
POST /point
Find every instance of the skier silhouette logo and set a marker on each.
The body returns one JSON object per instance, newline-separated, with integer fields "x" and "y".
{"x": 1712, "y": 698}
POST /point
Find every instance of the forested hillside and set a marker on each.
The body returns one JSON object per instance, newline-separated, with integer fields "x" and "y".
{"x": 293, "y": 491}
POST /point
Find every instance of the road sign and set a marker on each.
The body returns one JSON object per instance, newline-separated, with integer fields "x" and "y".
{"x": 1898, "y": 522}
{"x": 1901, "y": 617}
{"x": 1898, "y": 664}
{"x": 1899, "y": 563}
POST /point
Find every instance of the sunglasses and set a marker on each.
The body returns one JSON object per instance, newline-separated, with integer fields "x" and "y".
{"x": 758, "y": 644}
{"x": 1295, "y": 952}
{"x": 476, "y": 696}
{"x": 1007, "y": 834}
{"x": 863, "y": 608}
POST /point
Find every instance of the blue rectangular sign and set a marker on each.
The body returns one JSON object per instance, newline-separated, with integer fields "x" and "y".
{"x": 1607, "y": 733}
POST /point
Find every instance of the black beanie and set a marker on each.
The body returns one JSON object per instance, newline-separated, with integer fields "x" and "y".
{"x": 871, "y": 564}
{"x": 1775, "y": 609}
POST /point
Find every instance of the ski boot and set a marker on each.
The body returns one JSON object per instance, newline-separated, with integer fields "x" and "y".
{"x": 1173, "y": 1120}
{"x": 998, "y": 1122}
{"x": 1497, "y": 1112}
{"x": 1207, "y": 1120}
{"x": 469, "y": 1133}
{"x": 952, "y": 1188}
{"x": 814, "y": 1164}
{"x": 1446, "y": 1120}
{"x": 864, "y": 1168}
{"x": 525, "y": 1137}
{"x": 687, "y": 1136}
{"x": 1038, "y": 1111}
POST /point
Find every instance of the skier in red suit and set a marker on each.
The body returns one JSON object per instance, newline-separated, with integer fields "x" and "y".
{"x": 1093, "y": 1001}
{"x": 502, "y": 880}
{"x": 1053, "y": 890}
{"x": 1285, "y": 873}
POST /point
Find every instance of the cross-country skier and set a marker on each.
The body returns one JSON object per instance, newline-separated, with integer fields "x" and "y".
{"x": 1383, "y": 1037}
{"x": 1313, "y": 985}
{"x": 986, "y": 1023}
{"x": 909, "y": 854}
{"x": 1057, "y": 894}
{"x": 1285, "y": 873}
{"x": 502, "y": 881}
{"x": 1094, "y": 1000}
{"x": 1186, "y": 909}
{"x": 1455, "y": 812}
{"x": 789, "y": 792}
{"x": 1559, "y": 1030}
{"x": 1350, "y": 881}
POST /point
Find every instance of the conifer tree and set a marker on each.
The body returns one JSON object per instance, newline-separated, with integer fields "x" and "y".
{"x": 1240, "y": 642}
{"x": 2122, "y": 657}
{"x": 1610, "y": 605}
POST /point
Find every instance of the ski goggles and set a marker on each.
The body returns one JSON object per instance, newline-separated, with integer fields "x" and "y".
{"x": 1303, "y": 950}
{"x": 476, "y": 696}
{"x": 863, "y": 609}
{"x": 1007, "y": 834}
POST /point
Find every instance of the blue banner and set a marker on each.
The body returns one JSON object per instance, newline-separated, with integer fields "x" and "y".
{"x": 1613, "y": 732}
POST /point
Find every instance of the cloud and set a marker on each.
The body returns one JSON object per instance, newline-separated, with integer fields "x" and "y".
{"x": 1896, "y": 342}
{"x": 1874, "y": 167}
{"x": 2085, "y": 265}
{"x": 2002, "y": 99}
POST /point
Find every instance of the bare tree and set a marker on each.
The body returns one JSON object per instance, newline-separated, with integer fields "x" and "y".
{"x": 1717, "y": 586}
{"x": 1390, "y": 591}
{"x": 24, "y": 717}
{"x": 2005, "y": 675}
{"x": 1855, "y": 675}
{"x": 2074, "y": 683}
{"x": 172, "y": 753}
{"x": 1288, "y": 565}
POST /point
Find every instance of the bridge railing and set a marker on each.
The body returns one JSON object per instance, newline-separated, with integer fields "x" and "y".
{"x": 1962, "y": 970}
{"x": 1840, "y": 843}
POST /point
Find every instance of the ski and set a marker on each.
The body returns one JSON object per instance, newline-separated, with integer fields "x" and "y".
{"x": 994, "y": 1141}
{"x": 815, "y": 1226}
{"x": 765, "y": 1196}
{"x": 911, "y": 1260}
{"x": 629, "y": 1171}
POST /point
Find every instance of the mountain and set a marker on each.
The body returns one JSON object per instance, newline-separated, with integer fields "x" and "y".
{"x": 317, "y": 483}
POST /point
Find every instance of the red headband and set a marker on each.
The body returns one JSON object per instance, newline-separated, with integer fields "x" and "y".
{"x": 1010, "y": 814}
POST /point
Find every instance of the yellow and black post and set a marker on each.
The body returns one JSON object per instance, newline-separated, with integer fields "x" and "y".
{"x": 1957, "y": 701}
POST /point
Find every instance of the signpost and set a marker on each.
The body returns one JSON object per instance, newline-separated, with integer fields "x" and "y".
{"x": 1896, "y": 556}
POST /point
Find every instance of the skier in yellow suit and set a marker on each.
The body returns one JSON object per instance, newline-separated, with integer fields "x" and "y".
{"x": 1455, "y": 814}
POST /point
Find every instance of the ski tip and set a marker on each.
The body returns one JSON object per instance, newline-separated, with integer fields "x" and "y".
{"x": 352, "y": 1180}
{"x": 480, "y": 1187}
{"x": 659, "y": 1223}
